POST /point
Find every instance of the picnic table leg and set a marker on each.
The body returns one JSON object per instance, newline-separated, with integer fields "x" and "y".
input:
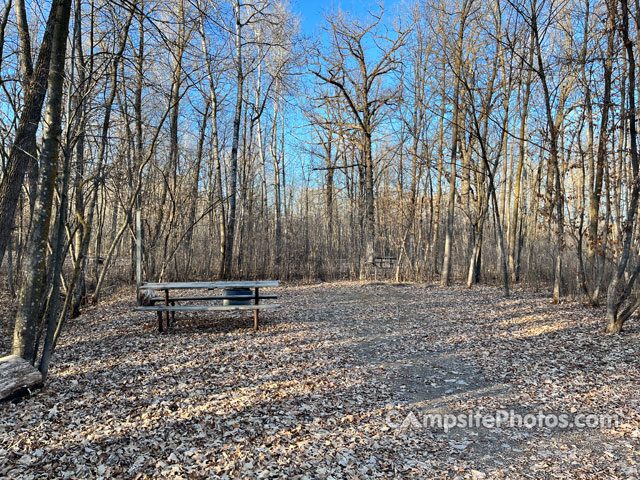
{"x": 159, "y": 321}
{"x": 255, "y": 312}
{"x": 173, "y": 313}
{"x": 166, "y": 302}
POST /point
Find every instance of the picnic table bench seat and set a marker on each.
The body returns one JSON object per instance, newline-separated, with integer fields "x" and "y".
{"x": 214, "y": 297}
{"x": 204, "y": 308}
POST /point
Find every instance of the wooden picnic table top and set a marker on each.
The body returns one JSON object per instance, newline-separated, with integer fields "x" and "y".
{"x": 209, "y": 285}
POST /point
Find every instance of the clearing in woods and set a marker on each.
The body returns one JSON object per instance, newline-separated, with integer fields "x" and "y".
{"x": 320, "y": 390}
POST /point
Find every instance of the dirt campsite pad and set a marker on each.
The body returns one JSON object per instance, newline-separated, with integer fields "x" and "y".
{"x": 346, "y": 380}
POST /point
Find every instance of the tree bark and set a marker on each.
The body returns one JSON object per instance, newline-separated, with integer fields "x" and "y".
{"x": 237, "y": 118}
{"x": 445, "y": 278}
{"x": 32, "y": 291}
{"x": 619, "y": 290}
{"x": 23, "y": 150}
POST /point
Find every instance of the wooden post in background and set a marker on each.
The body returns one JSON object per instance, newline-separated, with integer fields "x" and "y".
{"x": 138, "y": 251}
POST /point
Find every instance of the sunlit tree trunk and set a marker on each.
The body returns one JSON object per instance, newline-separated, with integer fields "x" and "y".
{"x": 445, "y": 277}
{"x": 237, "y": 118}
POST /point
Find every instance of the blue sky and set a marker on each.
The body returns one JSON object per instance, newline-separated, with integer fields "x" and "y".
{"x": 312, "y": 11}
{"x": 311, "y": 14}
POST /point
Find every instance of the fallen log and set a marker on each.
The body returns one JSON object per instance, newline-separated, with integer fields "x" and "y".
{"x": 16, "y": 376}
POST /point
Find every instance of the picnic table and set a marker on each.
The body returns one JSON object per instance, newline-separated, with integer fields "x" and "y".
{"x": 233, "y": 297}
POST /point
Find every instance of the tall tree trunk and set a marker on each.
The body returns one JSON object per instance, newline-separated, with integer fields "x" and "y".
{"x": 237, "y": 118}
{"x": 77, "y": 287}
{"x": 195, "y": 181}
{"x": 514, "y": 243}
{"x": 23, "y": 150}
{"x": 594, "y": 252}
{"x": 33, "y": 288}
{"x": 277, "y": 190}
{"x": 445, "y": 277}
{"x": 619, "y": 289}
{"x": 554, "y": 160}
{"x": 434, "y": 250}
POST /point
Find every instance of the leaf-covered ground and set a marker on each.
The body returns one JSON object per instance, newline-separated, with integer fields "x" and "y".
{"x": 322, "y": 390}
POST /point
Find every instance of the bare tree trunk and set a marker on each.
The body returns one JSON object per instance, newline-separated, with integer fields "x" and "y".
{"x": 595, "y": 195}
{"x": 492, "y": 187}
{"x": 237, "y": 118}
{"x": 434, "y": 247}
{"x": 619, "y": 289}
{"x": 52, "y": 319}
{"x": 514, "y": 243}
{"x": 33, "y": 288}
{"x": 277, "y": 193}
{"x": 195, "y": 181}
{"x": 23, "y": 150}
{"x": 215, "y": 151}
{"x": 554, "y": 168}
{"x": 77, "y": 287}
{"x": 445, "y": 278}
{"x": 369, "y": 206}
